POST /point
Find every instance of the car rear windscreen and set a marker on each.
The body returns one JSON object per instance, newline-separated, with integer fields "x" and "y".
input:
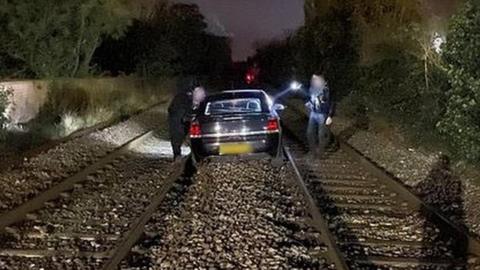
{"x": 232, "y": 106}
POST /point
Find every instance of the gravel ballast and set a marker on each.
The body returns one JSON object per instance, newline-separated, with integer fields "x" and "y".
{"x": 238, "y": 215}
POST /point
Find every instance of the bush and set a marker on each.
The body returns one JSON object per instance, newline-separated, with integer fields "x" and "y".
{"x": 407, "y": 86}
{"x": 396, "y": 88}
{"x": 461, "y": 122}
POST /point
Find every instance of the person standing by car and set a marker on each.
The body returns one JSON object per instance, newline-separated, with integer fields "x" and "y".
{"x": 180, "y": 111}
{"x": 321, "y": 110}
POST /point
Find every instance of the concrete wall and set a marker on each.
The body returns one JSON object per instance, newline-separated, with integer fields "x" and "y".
{"x": 26, "y": 99}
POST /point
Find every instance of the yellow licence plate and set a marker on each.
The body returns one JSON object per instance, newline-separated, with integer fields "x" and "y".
{"x": 235, "y": 148}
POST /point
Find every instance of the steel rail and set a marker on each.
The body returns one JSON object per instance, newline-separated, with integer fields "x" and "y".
{"x": 334, "y": 253}
{"x": 138, "y": 227}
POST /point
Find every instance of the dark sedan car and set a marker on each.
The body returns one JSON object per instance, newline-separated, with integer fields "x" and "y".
{"x": 237, "y": 122}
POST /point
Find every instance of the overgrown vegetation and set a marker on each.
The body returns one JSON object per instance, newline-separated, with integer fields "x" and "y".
{"x": 76, "y": 104}
{"x": 406, "y": 83}
{"x": 461, "y": 121}
{"x": 279, "y": 57}
{"x": 382, "y": 55}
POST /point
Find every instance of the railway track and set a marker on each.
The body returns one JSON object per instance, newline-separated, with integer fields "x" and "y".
{"x": 375, "y": 222}
{"x": 235, "y": 214}
{"x": 92, "y": 219}
{"x": 363, "y": 218}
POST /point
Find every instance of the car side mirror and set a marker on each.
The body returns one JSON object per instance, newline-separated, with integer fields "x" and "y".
{"x": 278, "y": 107}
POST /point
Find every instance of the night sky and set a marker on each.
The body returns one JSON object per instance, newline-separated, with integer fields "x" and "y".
{"x": 250, "y": 21}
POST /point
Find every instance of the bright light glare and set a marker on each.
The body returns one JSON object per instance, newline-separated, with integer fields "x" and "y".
{"x": 295, "y": 86}
{"x": 438, "y": 42}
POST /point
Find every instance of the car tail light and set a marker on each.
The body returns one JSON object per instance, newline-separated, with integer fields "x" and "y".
{"x": 273, "y": 125}
{"x": 195, "y": 130}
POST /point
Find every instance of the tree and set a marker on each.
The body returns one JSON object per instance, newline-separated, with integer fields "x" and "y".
{"x": 328, "y": 44}
{"x": 381, "y": 23}
{"x": 48, "y": 38}
{"x": 277, "y": 61}
{"x": 171, "y": 41}
{"x": 217, "y": 56}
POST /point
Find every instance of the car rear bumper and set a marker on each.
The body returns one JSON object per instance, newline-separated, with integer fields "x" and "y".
{"x": 259, "y": 144}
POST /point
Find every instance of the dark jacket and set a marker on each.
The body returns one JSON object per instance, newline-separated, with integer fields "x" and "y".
{"x": 181, "y": 106}
{"x": 320, "y": 101}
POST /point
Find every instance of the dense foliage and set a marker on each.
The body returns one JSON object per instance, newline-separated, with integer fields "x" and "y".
{"x": 49, "y": 38}
{"x": 461, "y": 122}
{"x": 171, "y": 41}
{"x": 406, "y": 83}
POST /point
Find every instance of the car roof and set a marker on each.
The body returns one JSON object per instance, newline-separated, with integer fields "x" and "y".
{"x": 240, "y": 92}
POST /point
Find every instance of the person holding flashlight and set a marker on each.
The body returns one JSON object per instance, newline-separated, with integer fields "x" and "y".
{"x": 321, "y": 110}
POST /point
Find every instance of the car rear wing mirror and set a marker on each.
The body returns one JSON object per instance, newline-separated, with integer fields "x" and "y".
{"x": 279, "y": 107}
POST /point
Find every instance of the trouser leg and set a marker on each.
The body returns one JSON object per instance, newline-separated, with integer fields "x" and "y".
{"x": 312, "y": 130}
{"x": 323, "y": 138}
{"x": 316, "y": 133}
{"x": 177, "y": 148}
{"x": 177, "y": 136}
